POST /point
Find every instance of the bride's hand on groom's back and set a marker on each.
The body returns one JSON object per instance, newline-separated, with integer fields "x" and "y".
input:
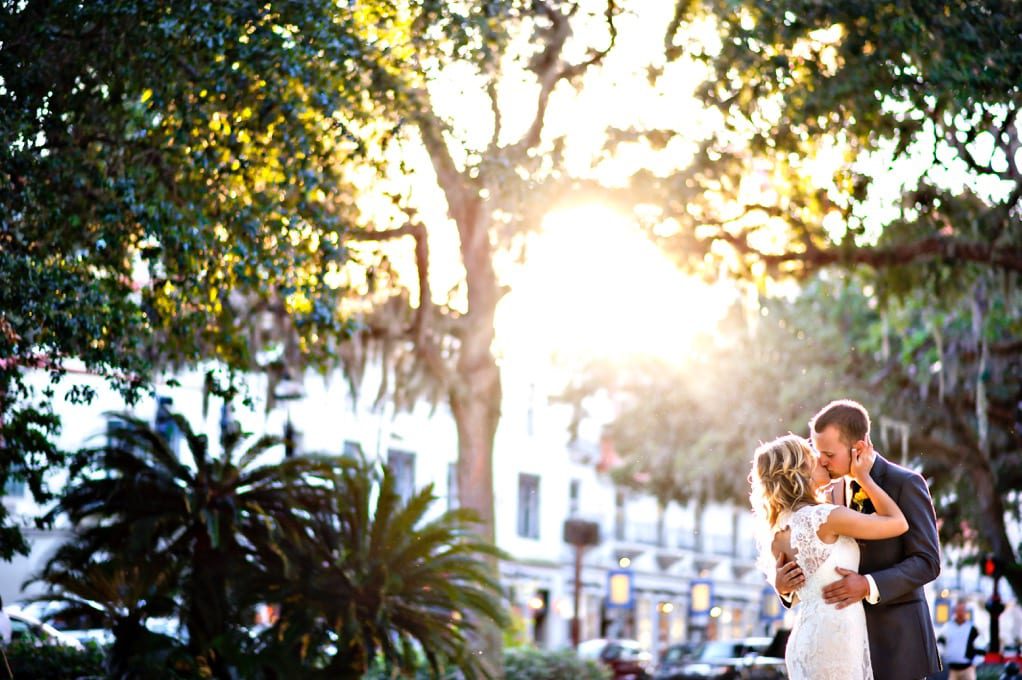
{"x": 789, "y": 576}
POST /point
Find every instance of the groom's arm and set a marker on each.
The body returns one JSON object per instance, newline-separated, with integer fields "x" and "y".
{"x": 921, "y": 561}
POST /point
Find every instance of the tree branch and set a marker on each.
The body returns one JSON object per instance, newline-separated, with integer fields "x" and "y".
{"x": 448, "y": 176}
{"x": 931, "y": 248}
{"x": 491, "y": 90}
{"x": 422, "y": 333}
{"x": 1008, "y": 138}
{"x": 549, "y": 69}
{"x": 970, "y": 159}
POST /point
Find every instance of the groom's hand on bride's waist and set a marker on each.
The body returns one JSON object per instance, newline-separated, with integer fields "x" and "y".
{"x": 851, "y": 588}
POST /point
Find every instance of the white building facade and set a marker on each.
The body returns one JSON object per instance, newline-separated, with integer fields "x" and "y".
{"x": 691, "y": 571}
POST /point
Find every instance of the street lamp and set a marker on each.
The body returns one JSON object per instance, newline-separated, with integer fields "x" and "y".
{"x": 580, "y": 534}
{"x": 288, "y": 390}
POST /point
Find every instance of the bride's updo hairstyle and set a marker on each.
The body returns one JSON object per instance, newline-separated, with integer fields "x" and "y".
{"x": 781, "y": 477}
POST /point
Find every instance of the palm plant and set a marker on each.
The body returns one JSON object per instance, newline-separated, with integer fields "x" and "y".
{"x": 381, "y": 580}
{"x": 126, "y": 593}
{"x": 208, "y": 519}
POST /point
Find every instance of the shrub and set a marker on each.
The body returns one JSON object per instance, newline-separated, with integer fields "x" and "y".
{"x": 992, "y": 671}
{"x": 30, "y": 660}
{"x": 522, "y": 663}
{"x": 526, "y": 663}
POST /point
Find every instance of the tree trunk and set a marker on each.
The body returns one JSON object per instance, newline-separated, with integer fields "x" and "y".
{"x": 206, "y": 603}
{"x": 991, "y": 512}
{"x": 476, "y": 394}
{"x": 989, "y": 516}
{"x": 476, "y": 411}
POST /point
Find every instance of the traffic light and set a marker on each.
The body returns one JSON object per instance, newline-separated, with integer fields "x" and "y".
{"x": 991, "y": 566}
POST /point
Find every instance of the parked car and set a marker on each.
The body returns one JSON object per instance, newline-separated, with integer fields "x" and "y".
{"x": 741, "y": 659}
{"x": 84, "y": 624}
{"x": 674, "y": 656}
{"x": 27, "y": 627}
{"x": 626, "y": 659}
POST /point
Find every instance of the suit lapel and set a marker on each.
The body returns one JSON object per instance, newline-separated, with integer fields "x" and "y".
{"x": 879, "y": 471}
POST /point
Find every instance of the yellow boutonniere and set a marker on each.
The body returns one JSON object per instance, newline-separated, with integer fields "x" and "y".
{"x": 860, "y": 498}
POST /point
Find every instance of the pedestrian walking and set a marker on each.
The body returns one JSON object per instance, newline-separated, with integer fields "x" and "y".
{"x": 959, "y": 639}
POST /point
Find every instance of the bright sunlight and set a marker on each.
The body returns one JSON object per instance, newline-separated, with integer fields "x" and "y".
{"x": 594, "y": 286}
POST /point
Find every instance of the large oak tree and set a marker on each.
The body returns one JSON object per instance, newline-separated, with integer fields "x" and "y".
{"x": 171, "y": 174}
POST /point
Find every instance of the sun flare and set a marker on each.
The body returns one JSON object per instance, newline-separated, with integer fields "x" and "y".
{"x": 594, "y": 286}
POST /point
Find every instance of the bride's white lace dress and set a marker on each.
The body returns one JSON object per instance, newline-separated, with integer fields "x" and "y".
{"x": 826, "y": 643}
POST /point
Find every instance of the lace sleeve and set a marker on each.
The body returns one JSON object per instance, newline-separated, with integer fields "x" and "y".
{"x": 810, "y": 551}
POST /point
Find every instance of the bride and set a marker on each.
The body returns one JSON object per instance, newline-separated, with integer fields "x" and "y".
{"x": 826, "y": 643}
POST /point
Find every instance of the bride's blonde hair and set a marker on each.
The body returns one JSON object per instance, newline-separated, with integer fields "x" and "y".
{"x": 781, "y": 477}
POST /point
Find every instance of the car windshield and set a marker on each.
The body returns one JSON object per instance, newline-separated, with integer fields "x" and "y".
{"x": 755, "y": 645}
{"x": 20, "y": 628}
{"x": 720, "y": 649}
{"x": 677, "y": 653}
{"x": 590, "y": 649}
{"x": 623, "y": 650}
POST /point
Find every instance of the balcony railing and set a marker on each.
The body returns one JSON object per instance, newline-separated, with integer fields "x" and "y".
{"x": 721, "y": 545}
{"x": 686, "y": 539}
{"x": 650, "y": 534}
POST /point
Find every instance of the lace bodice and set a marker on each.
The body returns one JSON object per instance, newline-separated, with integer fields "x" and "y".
{"x": 811, "y": 553}
{"x": 826, "y": 643}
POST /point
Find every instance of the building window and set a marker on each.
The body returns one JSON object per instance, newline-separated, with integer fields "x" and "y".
{"x": 401, "y": 464}
{"x": 164, "y": 422}
{"x": 573, "y": 497}
{"x": 15, "y": 486}
{"x": 619, "y": 515}
{"x": 452, "y": 486}
{"x": 115, "y": 439}
{"x": 528, "y": 506}
{"x": 351, "y": 449}
{"x": 736, "y": 542}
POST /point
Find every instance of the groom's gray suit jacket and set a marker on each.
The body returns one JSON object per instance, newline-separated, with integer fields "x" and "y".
{"x": 901, "y": 635}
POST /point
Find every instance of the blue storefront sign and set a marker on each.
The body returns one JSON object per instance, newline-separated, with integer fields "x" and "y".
{"x": 700, "y": 598}
{"x": 620, "y": 589}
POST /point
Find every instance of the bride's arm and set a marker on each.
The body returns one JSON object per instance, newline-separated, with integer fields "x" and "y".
{"x": 888, "y": 522}
{"x": 788, "y": 576}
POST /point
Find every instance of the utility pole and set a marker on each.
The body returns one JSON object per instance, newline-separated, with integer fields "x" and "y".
{"x": 581, "y": 534}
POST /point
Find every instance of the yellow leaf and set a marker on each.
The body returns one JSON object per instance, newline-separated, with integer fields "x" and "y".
{"x": 147, "y": 94}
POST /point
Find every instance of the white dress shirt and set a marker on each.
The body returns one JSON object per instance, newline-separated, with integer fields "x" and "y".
{"x": 874, "y": 593}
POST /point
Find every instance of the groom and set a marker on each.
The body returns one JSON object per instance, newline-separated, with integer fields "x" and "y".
{"x": 901, "y": 637}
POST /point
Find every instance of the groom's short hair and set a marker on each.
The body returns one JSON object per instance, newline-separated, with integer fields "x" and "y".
{"x": 850, "y": 418}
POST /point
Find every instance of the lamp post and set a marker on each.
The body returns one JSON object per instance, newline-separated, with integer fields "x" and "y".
{"x": 288, "y": 390}
{"x": 580, "y": 534}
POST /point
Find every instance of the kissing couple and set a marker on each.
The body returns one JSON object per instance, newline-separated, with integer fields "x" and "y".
{"x": 851, "y": 538}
